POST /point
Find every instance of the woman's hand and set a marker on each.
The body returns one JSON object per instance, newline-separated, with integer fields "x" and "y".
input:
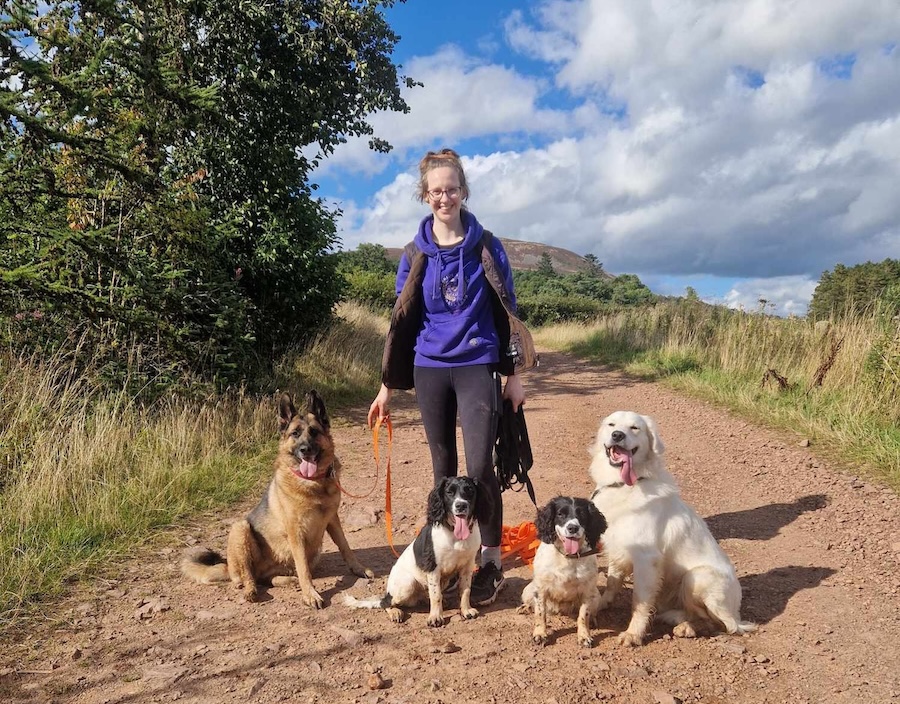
{"x": 379, "y": 407}
{"x": 514, "y": 391}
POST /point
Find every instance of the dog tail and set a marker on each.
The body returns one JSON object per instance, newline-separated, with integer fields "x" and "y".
{"x": 743, "y": 627}
{"x": 204, "y": 566}
{"x": 375, "y": 602}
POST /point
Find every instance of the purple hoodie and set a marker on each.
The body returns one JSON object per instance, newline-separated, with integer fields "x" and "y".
{"x": 458, "y": 326}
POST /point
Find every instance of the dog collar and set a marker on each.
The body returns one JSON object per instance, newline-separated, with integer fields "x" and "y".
{"x": 578, "y": 555}
{"x": 614, "y": 485}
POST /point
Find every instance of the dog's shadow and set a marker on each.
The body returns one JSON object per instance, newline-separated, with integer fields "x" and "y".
{"x": 767, "y": 594}
{"x": 763, "y": 522}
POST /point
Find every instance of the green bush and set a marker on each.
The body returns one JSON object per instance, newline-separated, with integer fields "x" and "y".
{"x": 542, "y": 310}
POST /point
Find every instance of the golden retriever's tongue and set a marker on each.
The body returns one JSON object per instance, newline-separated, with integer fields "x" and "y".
{"x": 460, "y": 527}
{"x": 308, "y": 469}
{"x": 571, "y": 545}
{"x": 628, "y": 475}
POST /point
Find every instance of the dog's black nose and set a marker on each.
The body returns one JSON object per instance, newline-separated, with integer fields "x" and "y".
{"x": 618, "y": 436}
{"x": 572, "y": 528}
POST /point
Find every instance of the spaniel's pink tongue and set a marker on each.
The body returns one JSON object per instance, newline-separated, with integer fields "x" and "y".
{"x": 308, "y": 469}
{"x": 571, "y": 545}
{"x": 460, "y": 527}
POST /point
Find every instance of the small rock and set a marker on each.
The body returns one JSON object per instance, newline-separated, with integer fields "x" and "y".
{"x": 376, "y": 681}
{"x": 734, "y": 648}
{"x": 450, "y": 647}
{"x": 805, "y": 442}
{"x": 435, "y": 686}
{"x": 349, "y": 637}
{"x": 255, "y": 687}
{"x": 361, "y": 517}
{"x": 665, "y": 698}
{"x": 76, "y": 654}
{"x": 147, "y": 609}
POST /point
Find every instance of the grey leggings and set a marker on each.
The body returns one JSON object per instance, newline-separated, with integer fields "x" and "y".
{"x": 474, "y": 392}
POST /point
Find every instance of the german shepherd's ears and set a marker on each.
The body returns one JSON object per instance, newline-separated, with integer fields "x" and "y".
{"x": 286, "y": 411}
{"x": 316, "y": 406}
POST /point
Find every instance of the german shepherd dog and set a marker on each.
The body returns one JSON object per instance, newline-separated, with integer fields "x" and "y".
{"x": 283, "y": 535}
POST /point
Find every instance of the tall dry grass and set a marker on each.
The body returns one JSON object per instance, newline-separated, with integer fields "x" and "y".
{"x": 86, "y": 474}
{"x": 842, "y": 387}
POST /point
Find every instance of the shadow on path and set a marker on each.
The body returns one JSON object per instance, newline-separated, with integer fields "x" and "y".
{"x": 763, "y": 522}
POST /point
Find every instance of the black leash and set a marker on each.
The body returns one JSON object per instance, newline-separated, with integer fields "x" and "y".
{"x": 512, "y": 451}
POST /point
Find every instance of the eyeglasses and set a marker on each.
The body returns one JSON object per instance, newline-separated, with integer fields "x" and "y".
{"x": 452, "y": 193}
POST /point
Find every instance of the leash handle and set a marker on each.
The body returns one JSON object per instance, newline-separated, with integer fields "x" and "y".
{"x": 388, "y": 518}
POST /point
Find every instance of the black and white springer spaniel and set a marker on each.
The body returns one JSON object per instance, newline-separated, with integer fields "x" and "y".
{"x": 446, "y": 546}
{"x": 565, "y": 566}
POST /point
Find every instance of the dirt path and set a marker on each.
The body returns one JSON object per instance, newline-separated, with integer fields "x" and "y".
{"x": 818, "y": 553}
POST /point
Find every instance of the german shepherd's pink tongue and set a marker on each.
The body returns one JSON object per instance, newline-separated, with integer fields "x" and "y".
{"x": 619, "y": 454}
{"x": 460, "y": 527}
{"x": 308, "y": 469}
{"x": 571, "y": 546}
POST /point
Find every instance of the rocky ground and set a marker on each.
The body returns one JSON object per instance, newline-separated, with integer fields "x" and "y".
{"x": 817, "y": 549}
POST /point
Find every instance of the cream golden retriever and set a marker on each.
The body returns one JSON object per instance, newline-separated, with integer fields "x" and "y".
{"x": 678, "y": 569}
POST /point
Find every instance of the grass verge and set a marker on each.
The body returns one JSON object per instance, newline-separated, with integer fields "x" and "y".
{"x": 86, "y": 476}
{"x": 839, "y": 379}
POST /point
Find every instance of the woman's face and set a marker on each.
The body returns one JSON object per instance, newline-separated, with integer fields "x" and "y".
{"x": 444, "y": 194}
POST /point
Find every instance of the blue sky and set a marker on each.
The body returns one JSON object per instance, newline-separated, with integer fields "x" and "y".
{"x": 740, "y": 147}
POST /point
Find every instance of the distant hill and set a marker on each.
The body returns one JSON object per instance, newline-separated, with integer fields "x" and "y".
{"x": 526, "y": 256}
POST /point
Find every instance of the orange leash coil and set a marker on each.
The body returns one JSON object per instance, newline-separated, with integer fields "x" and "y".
{"x": 519, "y": 540}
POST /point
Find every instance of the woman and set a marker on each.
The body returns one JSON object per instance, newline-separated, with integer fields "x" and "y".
{"x": 457, "y": 347}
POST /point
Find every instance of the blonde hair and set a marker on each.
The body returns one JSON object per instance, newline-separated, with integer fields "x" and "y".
{"x": 435, "y": 160}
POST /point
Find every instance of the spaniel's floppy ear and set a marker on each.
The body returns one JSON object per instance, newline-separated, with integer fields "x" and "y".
{"x": 546, "y": 522}
{"x": 437, "y": 507}
{"x": 657, "y": 444}
{"x": 596, "y": 526}
{"x": 286, "y": 411}
{"x": 484, "y": 502}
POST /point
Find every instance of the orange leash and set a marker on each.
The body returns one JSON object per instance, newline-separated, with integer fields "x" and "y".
{"x": 519, "y": 540}
{"x": 388, "y": 519}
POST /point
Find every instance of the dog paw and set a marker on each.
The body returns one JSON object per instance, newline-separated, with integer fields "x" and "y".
{"x": 313, "y": 599}
{"x": 435, "y": 621}
{"x": 684, "y": 630}
{"x": 396, "y": 615}
{"x": 251, "y": 596}
{"x": 630, "y": 639}
{"x": 469, "y": 613}
{"x": 361, "y": 571}
{"x": 540, "y": 638}
{"x": 523, "y": 609}
{"x": 585, "y": 641}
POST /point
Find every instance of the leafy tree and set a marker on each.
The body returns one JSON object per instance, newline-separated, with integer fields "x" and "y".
{"x": 853, "y": 290}
{"x": 154, "y": 192}
{"x": 366, "y": 257}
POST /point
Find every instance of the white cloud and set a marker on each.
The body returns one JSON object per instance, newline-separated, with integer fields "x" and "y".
{"x": 782, "y": 295}
{"x": 461, "y": 98}
{"x": 745, "y": 149}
